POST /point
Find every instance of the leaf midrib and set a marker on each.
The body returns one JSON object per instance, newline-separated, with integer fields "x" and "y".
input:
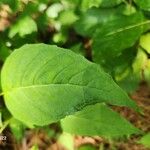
{"x": 128, "y": 28}
{"x": 51, "y": 84}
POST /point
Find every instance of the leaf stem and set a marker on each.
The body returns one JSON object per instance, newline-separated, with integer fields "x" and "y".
{"x": 5, "y": 125}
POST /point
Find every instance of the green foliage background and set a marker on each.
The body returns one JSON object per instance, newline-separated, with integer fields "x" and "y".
{"x": 115, "y": 34}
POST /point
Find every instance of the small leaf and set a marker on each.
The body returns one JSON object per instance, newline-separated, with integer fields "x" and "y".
{"x": 24, "y": 26}
{"x": 145, "y": 140}
{"x": 139, "y": 63}
{"x": 99, "y": 120}
{"x": 54, "y": 10}
{"x": 53, "y": 82}
{"x": 145, "y": 42}
{"x": 111, "y": 39}
{"x": 63, "y": 18}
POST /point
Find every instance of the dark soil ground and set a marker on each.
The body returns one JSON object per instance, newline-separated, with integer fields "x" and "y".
{"x": 141, "y": 96}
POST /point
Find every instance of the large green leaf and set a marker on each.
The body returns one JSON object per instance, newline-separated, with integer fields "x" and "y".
{"x": 99, "y": 120}
{"x": 116, "y": 35}
{"x": 43, "y": 84}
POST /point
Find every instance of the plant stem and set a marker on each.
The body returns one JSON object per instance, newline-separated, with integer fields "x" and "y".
{"x": 5, "y": 125}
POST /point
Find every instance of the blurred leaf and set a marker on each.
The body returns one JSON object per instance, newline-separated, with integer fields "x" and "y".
{"x": 145, "y": 140}
{"x": 128, "y": 9}
{"x": 5, "y": 113}
{"x": 24, "y": 26}
{"x": 77, "y": 48}
{"x": 87, "y": 147}
{"x": 13, "y": 4}
{"x": 35, "y": 147}
{"x": 111, "y": 39}
{"x": 60, "y": 37}
{"x": 93, "y": 19}
{"x": 30, "y": 8}
{"x": 42, "y": 22}
{"x": 46, "y": 1}
{"x": 116, "y": 66}
{"x": 139, "y": 62}
{"x": 130, "y": 82}
{"x": 143, "y": 4}
{"x": 49, "y": 131}
{"x": 110, "y": 3}
{"x": 146, "y": 71}
{"x": 17, "y": 128}
{"x": 145, "y": 42}
{"x": 63, "y": 18}
{"x": 70, "y": 4}
{"x": 18, "y": 41}
{"x": 86, "y": 4}
{"x": 4, "y": 51}
{"x": 99, "y": 120}
{"x": 67, "y": 140}
{"x": 131, "y": 78}
{"x": 54, "y": 10}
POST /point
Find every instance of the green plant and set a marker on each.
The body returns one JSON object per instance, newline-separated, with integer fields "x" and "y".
{"x": 145, "y": 140}
{"x": 52, "y": 83}
{"x": 44, "y": 84}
